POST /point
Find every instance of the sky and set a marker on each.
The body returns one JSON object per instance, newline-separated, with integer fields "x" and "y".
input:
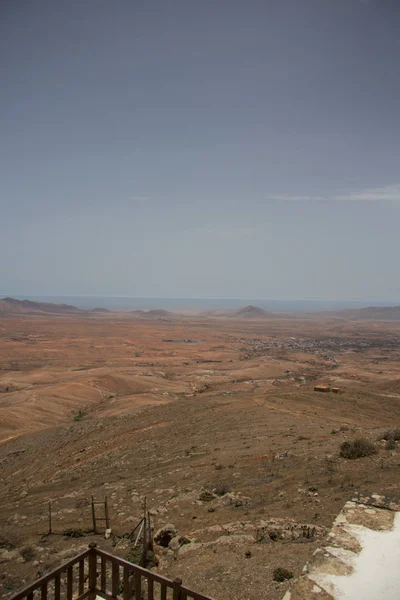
{"x": 194, "y": 148}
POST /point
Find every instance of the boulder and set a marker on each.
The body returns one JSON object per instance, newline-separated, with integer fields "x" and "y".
{"x": 165, "y": 535}
{"x": 194, "y": 546}
{"x": 177, "y": 542}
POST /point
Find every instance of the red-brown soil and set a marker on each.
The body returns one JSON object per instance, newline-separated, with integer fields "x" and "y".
{"x": 177, "y": 405}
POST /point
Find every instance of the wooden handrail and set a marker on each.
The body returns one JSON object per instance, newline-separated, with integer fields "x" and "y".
{"x": 132, "y": 579}
{"x": 195, "y": 595}
{"x": 39, "y": 583}
{"x": 144, "y": 572}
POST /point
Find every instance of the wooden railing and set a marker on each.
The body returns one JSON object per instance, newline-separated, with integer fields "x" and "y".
{"x": 96, "y": 573}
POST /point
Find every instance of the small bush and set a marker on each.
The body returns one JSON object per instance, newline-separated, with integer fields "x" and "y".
{"x": 206, "y": 496}
{"x": 9, "y": 537}
{"x": 357, "y": 448}
{"x": 390, "y": 444}
{"x": 28, "y": 553}
{"x": 79, "y": 416}
{"x": 221, "y": 489}
{"x": 134, "y": 555}
{"x": 281, "y": 574}
{"x": 392, "y": 434}
{"x": 73, "y": 533}
{"x": 151, "y": 560}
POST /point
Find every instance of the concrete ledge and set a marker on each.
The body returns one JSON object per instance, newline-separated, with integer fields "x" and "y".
{"x": 361, "y": 556}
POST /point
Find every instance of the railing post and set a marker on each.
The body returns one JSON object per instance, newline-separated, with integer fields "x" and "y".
{"x": 114, "y": 578}
{"x": 57, "y": 587}
{"x": 43, "y": 591}
{"x": 92, "y": 571}
{"x": 176, "y": 589}
{"x": 81, "y": 580}
{"x": 70, "y": 583}
{"x": 126, "y": 584}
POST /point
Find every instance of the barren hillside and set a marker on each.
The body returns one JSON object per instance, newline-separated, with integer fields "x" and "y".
{"x": 215, "y": 421}
{"x": 11, "y": 306}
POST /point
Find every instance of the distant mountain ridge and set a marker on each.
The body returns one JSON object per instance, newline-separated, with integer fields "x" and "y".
{"x": 388, "y": 313}
{"x": 246, "y": 312}
{"x": 251, "y": 312}
{"x": 12, "y": 306}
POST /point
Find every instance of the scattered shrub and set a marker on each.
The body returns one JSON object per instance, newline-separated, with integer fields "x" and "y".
{"x": 341, "y": 429}
{"x": 73, "y": 533}
{"x": 206, "y": 496}
{"x": 357, "y": 448}
{"x": 151, "y": 560}
{"x": 28, "y": 553}
{"x": 280, "y": 574}
{"x": 8, "y": 586}
{"x": 9, "y": 537}
{"x": 134, "y": 555}
{"x": 82, "y": 503}
{"x": 391, "y": 434}
{"x": 390, "y": 444}
{"x": 79, "y": 416}
{"x": 221, "y": 489}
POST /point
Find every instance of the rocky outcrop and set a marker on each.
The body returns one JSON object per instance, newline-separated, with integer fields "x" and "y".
{"x": 164, "y": 535}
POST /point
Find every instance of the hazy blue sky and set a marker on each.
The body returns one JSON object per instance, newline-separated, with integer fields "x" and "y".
{"x": 200, "y": 148}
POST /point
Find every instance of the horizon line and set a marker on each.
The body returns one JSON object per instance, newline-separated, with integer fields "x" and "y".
{"x": 2, "y": 296}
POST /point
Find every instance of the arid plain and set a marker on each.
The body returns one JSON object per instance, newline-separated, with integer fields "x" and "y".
{"x": 213, "y": 419}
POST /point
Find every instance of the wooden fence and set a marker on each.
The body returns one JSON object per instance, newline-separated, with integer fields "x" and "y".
{"x": 96, "y": 573}
{"x": 104, "y": 515}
